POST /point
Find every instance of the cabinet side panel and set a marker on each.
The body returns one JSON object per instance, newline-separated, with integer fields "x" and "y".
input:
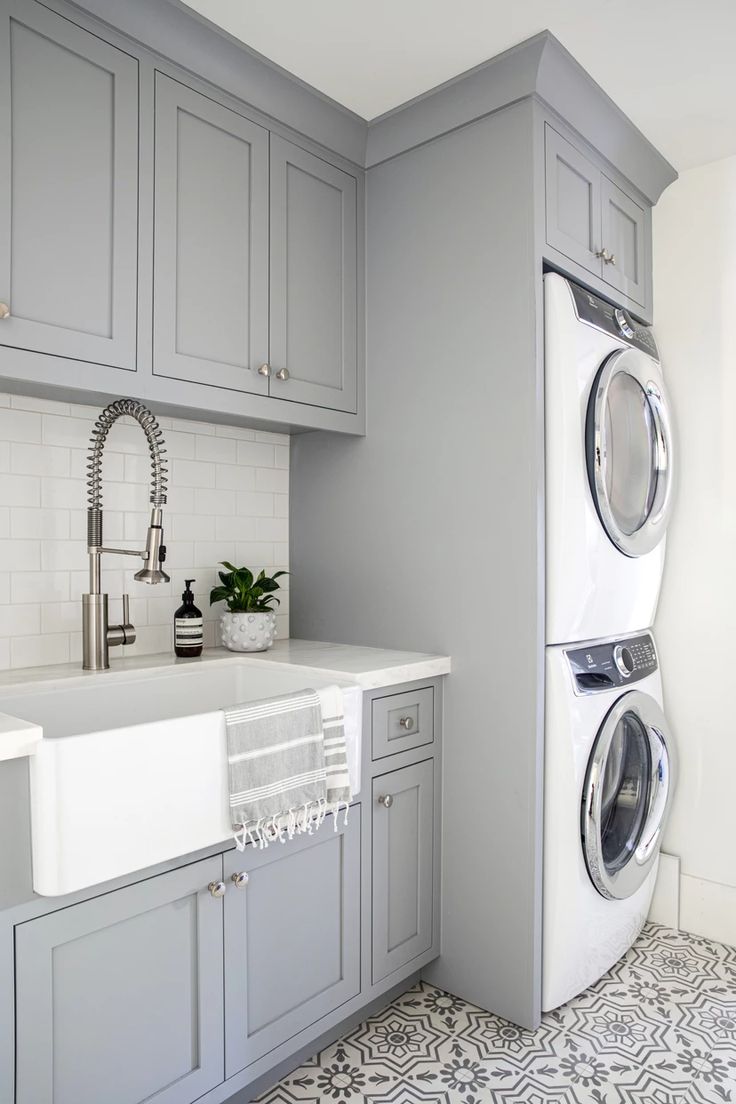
{"x": 428, "y": 533}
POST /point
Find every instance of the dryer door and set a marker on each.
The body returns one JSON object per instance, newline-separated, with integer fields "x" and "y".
{"x": 627, "y": 794}
{"x": 629, "y": 451}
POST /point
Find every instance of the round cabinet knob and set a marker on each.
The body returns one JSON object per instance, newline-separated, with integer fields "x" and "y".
{"x": 386, "y": 800}
{"x": 282, "y": 374}
{"x": 624, "y": 660}
{"x": 217, "y": 889}
{"x": 4, "y": 310}
{"x": 623, "y": 322}
{"x": 406, "y": 723}
{"x": 240, "y": 880}
{"x": 610, "y": 259}
{"x": 264, "y": 370}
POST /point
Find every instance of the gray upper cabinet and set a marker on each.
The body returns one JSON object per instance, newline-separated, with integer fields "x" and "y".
{"x": 211, "y": 242}
{"x": 69, "y": 193}
{"x": 292, "y": 934}
{"x": 625, "y": 225}
{"x": 593, "y": 222}
{"x": 403, "y": 818}
{"x": 120, "y": 998}
{"x": 573, "y": 202}
{"x": 313, "y": 280}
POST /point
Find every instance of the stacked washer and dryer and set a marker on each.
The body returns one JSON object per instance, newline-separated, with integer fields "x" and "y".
{"x": 610, "y": 762}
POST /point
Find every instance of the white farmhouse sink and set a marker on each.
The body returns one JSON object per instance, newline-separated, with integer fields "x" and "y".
{"x": 132, "y": 767}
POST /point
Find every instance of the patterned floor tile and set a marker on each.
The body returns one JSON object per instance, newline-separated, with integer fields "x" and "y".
{"x": 660, "y": 1028}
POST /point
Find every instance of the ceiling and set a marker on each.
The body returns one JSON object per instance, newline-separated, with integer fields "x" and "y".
{"x": 669, "y": 64}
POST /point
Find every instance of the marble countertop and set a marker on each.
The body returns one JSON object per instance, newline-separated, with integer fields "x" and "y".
{"x": 370, "y": 668}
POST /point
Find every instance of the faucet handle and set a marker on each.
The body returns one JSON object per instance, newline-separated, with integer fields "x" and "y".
{"x": 126, "y": 609}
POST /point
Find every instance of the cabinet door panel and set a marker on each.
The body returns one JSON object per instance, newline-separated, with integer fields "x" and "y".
{"x": 402, "y": 866}
{"x": 120, "y": 998}
{"x": 292, "y": 937}
{"x": 624, "y": 234}
{"x": 68, "y": 189}
{"x": 211, "y": 242}
{"x": 573, "y": 204}
{"x": 313, "y": 279}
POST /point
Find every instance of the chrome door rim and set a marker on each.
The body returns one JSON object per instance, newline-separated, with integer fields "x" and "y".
{"x": 646, "y": 374}
{"x": 625, "y": 881}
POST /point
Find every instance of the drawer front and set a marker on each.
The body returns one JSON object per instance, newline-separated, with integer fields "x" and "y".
{"x": 401, "y": 722}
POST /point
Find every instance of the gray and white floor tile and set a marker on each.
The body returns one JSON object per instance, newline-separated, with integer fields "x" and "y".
{"x": 660, "y": 1028}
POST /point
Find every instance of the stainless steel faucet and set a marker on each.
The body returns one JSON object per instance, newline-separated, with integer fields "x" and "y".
{"x": 98, "y": 636}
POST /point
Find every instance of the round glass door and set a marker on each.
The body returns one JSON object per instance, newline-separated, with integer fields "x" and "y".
{"x": 627, "y": 794}
{"x": 629, "y": 452}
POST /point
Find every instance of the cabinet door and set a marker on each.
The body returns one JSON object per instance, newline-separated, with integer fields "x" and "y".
{"x": 68, "y": 189}
{"x": 573, "y": 202}
{"x": 313, "y": 279}
{"x": 623, "y": 235}
{"x": 403, "y": 803}
{"x": 292, "y": 938}
{"x": 119, "y": 999}
{"x": 210, "y": 275}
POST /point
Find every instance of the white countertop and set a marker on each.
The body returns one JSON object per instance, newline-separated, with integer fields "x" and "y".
{"x": 370, "y": 668}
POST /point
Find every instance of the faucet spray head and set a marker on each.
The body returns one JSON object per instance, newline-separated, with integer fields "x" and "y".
{"x": 152, "y": 572}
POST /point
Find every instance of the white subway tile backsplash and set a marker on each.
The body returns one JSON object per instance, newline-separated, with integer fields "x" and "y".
{"x": 227, "y": 500}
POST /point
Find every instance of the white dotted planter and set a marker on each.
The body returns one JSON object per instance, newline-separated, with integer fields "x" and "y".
{"x": 248, "y": 632}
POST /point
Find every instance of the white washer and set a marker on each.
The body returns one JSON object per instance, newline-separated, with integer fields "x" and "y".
{"x": 610, "y": 770}
{"x": 608, "y": 467}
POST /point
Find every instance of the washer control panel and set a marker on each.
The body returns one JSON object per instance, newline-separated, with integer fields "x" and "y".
{"x": 612, "y": 320}
{"x": 613, "y": 664}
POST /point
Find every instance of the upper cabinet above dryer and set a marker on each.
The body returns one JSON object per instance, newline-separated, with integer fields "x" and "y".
{"x": 68, "y": 193}
{"x": 594, "y": 225}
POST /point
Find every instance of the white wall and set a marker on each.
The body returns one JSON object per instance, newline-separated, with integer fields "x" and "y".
{"x": 228, "y": 499}
{"x": 695, "y": 316}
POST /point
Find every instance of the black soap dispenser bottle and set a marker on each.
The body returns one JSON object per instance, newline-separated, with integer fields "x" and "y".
{"x": 188, "y": 626}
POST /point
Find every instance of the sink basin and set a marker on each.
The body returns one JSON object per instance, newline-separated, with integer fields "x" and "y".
{"x": 132, "y": 767}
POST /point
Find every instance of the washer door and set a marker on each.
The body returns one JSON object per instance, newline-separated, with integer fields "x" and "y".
{"x": 627, "y": 794}
{"x": 629, "y": 452}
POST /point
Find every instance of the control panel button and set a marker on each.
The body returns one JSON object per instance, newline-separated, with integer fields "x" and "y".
{"x": 624, "y": 660}
{"x": 623, "y": 322}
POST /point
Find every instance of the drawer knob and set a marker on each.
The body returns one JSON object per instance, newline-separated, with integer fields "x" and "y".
{"x": 4, "y": 310}
{"x": 264, "y": 370}
{"x": 282, "y": 374}
{"x": 217, "y": 889}
{"x": 386, "y": 800}
{"x": 240, "y": 880}
{"x": 406, "y": 723}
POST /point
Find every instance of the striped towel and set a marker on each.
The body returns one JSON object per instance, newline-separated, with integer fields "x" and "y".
{"x": 287, "y": 765}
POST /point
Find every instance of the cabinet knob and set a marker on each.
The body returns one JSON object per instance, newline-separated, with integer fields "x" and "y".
{"x": 264, "y": 370}
{"x": 282, "y": 374}
{"x": 386, "y": 800}
{"x": 406, "y": 723}
{"x": 239, "y": 880}
{"x": 610, "y": 259}
{"x": 4, "y": 310}
{"x": 217, "y": 889}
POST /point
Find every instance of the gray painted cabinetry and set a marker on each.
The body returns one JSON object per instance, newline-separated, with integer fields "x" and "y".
{"x": 160, "y": 989}
{"x": 594, "y": 222}
{"x": 68, "y": 189}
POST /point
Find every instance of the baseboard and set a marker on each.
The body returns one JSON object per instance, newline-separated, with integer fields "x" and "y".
{"x": 665, "y": 906}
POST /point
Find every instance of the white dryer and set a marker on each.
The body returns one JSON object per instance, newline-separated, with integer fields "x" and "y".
{"x": 610, "y": 770}
{"x": 609, "y": 467}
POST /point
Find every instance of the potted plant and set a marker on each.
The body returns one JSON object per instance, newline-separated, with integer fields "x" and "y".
{"x": 249, "y": 623}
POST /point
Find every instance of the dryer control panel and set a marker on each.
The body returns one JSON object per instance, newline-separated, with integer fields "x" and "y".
{"x": 613, "y": 320}
{"x": 613, "y": 664}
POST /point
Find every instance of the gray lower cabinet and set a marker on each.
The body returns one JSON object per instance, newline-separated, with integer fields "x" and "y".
{"x": 292, "y": 937}
{"x": 210, "y": 290}
{"x": 69, "y": 193}
{"x": 314, "y": 308}
{"x": 593, "y": 222}
{"x": 120, "y": 998}
{"x": 403, "y": 804}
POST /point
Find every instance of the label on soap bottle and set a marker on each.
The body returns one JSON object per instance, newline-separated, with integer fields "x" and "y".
{"x": 188, "y": 632}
